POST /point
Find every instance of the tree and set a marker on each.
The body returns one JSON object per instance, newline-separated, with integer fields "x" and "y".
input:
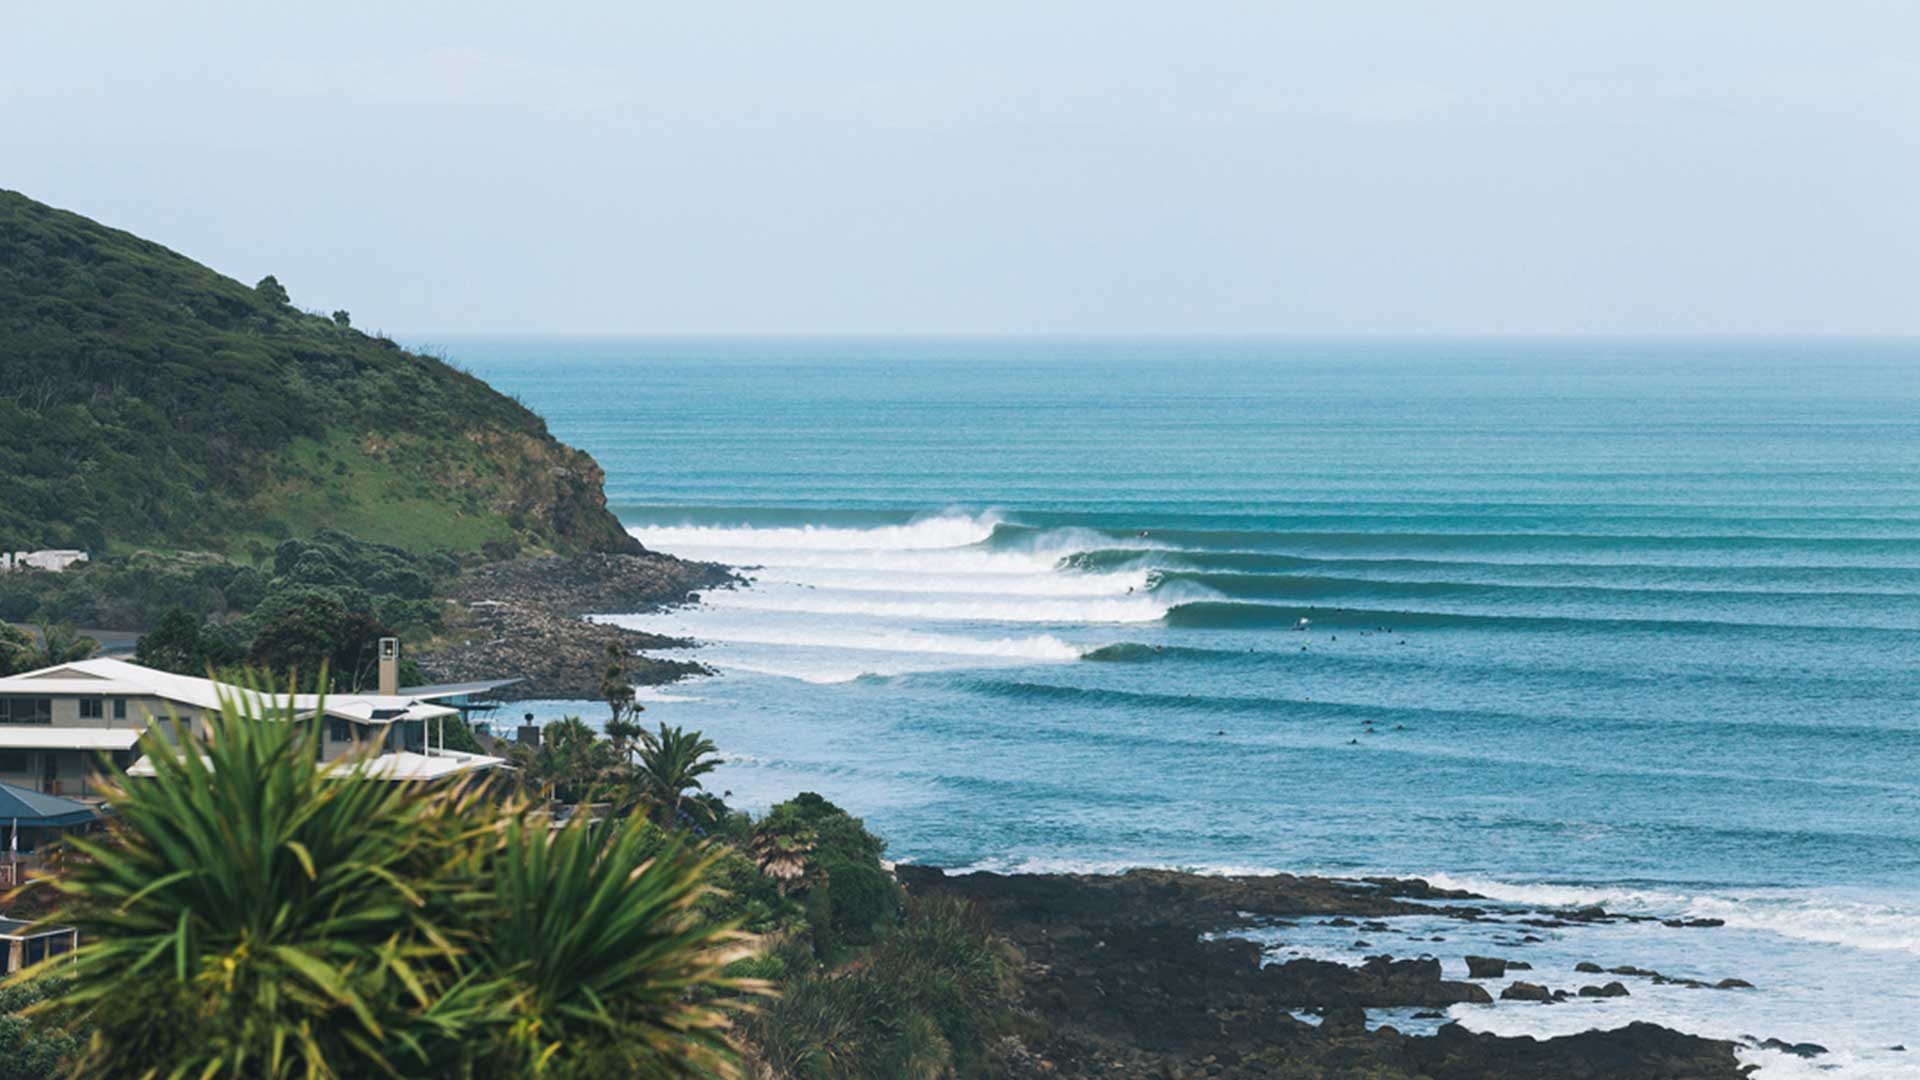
{"x": 60, "y": 643}
{"x": 173, "y": 645}
{"x": 255, "y": 912}
{"x": 672, "y": 761}
{"x": 316, "y": 632}
{"x": 272, "y": 291}
{"x": 616, "y": 690}
{"x": 572, "y": 764}
{"x": 17, "y": 650}
{"x": 342, "y": 320}
{"x": 780, "y": 846}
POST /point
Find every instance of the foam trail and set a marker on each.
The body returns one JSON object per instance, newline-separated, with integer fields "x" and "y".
{"x": 944, "y": 531}
{"x": 979, "y": 609}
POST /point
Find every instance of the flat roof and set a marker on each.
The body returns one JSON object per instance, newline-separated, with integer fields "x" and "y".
{"x": 14, "y": 928}
{"x": 455, "y": 689}
{"x": 42, "y": 737}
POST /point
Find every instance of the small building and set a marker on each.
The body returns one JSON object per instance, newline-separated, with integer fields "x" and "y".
{"x": 29, "y": 824}
{"x": 21, "y": 946}
{"x": 50, "y": 559}
{"x": 57, "y": 723}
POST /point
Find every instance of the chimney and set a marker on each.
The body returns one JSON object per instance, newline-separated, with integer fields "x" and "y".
{"x": 529, "y": 733}
{"x": 389, "y": 666}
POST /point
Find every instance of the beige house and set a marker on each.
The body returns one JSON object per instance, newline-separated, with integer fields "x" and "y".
{"x": 56, "y": 723}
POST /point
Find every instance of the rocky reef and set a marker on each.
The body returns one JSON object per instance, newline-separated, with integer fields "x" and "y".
{"x": 1137, "y": 975}
{"x": 527, "y": 618}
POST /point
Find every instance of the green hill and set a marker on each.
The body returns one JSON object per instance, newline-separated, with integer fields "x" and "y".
{"x": 149, "y": 402}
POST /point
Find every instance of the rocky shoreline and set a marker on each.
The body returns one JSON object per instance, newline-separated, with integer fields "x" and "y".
{"x": 1140, "y": 975}
{"x": 527, "y": 618}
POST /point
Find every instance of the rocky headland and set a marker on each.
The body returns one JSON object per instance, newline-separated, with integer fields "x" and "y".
{"x": 527, "y": 618}
{"x": 1140, "y": 975}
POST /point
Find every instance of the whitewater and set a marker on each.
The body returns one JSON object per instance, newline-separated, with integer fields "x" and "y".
{"x": 1633, "y": 624}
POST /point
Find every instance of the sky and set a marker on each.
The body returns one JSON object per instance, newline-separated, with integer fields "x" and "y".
{"x": 1106, "y": 167}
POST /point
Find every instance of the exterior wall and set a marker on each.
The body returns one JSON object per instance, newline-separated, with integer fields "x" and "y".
{"x": 73, "y": 768}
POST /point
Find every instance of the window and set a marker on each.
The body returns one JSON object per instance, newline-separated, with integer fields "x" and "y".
{"x": 13, "y": 761}
{"x": 26, "y": 710}
{"x": 339, "y": 731}
{"x": 92, "y": 708}
{"x": 119, "y": 708}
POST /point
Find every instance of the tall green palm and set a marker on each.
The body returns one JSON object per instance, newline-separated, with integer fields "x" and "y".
{"x": 672, "y": 761}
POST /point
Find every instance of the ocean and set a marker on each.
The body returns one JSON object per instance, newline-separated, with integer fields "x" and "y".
{"x": 1634, "y": 623}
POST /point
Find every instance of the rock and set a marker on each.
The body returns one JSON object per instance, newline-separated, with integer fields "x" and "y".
{"x": 1525, "y": 991}
{"x": 1611, "y": 990}
{"x": 1344, "y": 922}
{"x": 1345, "y": 1020}
{"x": 1804, "y": 1049}
{"x": 1363, "y": 944}
{"x": 1429, "y": 1014}
{"x": 1588, "y": 967}
{"x": 1643, "y": 973}
{"x": 1519, "y": 965}
{"x": 1693, "y": 922}
{"x": 1485, "y": 967}
{"x": 521, "y": 619}
{"x": 1733, "y": 984}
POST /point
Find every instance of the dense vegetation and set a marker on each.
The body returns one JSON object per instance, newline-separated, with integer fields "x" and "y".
{"x": 248, "y": 917}
{"x": 149, "y": 402}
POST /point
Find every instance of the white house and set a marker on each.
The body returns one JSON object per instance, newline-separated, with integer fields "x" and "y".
{"x": 56, "y": 722}
{"x": 54, "y": 559}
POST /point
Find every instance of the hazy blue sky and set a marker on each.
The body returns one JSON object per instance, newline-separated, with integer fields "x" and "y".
{"x": 984, "y": 167}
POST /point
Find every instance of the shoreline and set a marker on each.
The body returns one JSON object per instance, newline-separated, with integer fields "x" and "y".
{"x": 532, "y": 616}
{"x": 1147, "y": 973}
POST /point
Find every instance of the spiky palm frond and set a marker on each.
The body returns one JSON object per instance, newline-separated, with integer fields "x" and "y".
{"x": 596, "y": 951}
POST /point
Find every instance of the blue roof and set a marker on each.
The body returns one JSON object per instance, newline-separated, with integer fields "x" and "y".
{"x": 42, "y": 811}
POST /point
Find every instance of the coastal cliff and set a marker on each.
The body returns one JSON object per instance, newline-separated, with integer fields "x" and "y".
{"x": 147, "y": 401}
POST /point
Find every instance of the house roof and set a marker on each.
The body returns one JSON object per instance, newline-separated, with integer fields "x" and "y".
{"x": 16, "y": 737}
{"x": 107, "y": 677}
{"x": 18, "y": 804}
{"x": 395, "y": 766}
{"x": 17, "y": 928}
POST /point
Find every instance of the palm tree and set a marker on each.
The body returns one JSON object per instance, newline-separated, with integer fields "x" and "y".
{"x": 780, "y": 847}
{"x": 256, "y": 912}
{"x": 59, "y": 644}
{"x": 672, "y": 761}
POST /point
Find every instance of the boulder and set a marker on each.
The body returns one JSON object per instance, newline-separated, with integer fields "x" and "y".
{"x": 1588, "y": 967}
{"x": 1485, "y": 967}
{"x": 1733, "y": 984}
{"x": 1526, "y": 991}
{"x": 1612, "y": 989}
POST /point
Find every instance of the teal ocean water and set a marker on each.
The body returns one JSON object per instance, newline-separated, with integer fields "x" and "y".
{"x": 1633, "y": 623}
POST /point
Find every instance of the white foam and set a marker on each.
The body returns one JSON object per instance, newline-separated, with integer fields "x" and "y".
{"x": 943, "y": 531}
{"x": 1140, "y": 609}
{"x": 1856, "y": 922}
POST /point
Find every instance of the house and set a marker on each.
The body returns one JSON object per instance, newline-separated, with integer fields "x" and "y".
{"x": 57, "y": 722}
{"x": 29, "y": 823}
{"x": 50, "y": 559}
{"x": 22, "y": 944}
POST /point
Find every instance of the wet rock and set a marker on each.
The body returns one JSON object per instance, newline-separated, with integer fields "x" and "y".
{"x": 1733, "y": 984}
{"x": 1610, "y": 990}
{"x": 1519, "y": 965}
{"x": 1801, "y": 1049}
{"x": 1588, "y": 967}
{"x": 1526, "y": 991}
{"x": 1345, "y": 1020}
{"x": 1689, "y": 923}
{"x": 1644, "y": 973}
{"x": 1485, "y": 967}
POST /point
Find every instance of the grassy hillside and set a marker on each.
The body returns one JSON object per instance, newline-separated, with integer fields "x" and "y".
{"x": 149, "y": 402}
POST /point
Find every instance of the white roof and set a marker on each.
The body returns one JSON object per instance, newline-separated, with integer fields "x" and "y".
{"x": 107, "y": 677}
{"x": 40, "y": 737}
{"x": 402, "y": 766}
